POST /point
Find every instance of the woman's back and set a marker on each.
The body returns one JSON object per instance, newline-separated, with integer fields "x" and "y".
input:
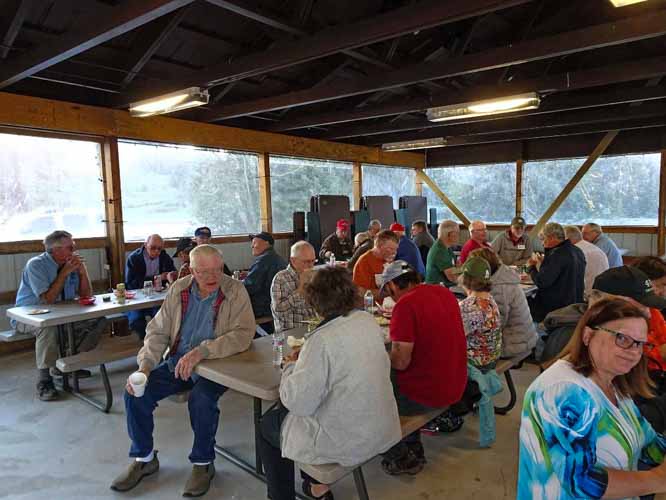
{"x": 481, "y": 319}
{"x": 339, "y": 393}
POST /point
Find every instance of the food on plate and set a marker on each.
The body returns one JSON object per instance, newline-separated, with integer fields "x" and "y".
{"x": 294, "y": 342}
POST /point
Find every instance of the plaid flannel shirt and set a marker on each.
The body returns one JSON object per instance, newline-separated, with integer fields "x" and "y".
{"x": 287, "y": 305}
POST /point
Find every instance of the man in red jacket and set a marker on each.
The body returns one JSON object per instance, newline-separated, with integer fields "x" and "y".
{"x": 428, "y": 356}
{"x": 478, "y": 238}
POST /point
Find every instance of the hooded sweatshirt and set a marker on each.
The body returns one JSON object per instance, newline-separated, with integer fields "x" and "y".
{"x": 518, "y": 332}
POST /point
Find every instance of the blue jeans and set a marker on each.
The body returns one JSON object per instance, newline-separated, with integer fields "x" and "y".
{"x": 202, "y": 405}
{"x": 137, "y": 320}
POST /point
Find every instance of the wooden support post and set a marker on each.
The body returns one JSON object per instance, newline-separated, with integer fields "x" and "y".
{"x": 447, "y": 201}
{"x": 357, "y": 184}
{"x": 418, "y": 184}
{"x": 114, "y": 210}
{"x": 265, "y": 206}
{"x": 598, "y": 151}
{"x": 661, "y": 228}
{"x": 519, "y": 188}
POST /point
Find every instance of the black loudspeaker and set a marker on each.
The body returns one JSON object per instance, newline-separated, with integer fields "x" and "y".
{"x": 433, "y": 222}
{"x": 298, "y": 220}
{"x": 314, "y": 231}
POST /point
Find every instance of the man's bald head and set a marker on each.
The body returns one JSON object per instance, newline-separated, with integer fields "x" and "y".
{"x": 154, "y": 245}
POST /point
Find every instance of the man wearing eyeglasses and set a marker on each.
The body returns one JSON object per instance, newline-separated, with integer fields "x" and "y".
{"x": 204, "y": 316}
{"x": 144, "y": 264}
{"x": 478, "y": 238}
{"x": 59, "y": 273}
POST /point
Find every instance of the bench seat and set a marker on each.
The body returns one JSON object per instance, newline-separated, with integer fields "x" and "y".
{"x": 109, "y": 349}
{"x": 14, "y": 336}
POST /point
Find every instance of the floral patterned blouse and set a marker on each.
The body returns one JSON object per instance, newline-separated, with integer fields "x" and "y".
{"x": 570, "y": 433}
{"x": 481, "y": 319}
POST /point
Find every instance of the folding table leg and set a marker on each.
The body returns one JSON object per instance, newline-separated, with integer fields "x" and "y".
{"x": 259, "y": 468}
{"x": 361, "y": 488}
{"x": 503, "y": 410}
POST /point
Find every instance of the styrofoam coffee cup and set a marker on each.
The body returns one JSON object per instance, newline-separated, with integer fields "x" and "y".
{"x": 138, "y": 383}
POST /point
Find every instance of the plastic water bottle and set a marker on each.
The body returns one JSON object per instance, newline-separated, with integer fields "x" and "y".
{"x": 368, "y": 301}
{"x": 278, "y": 347}
{"x": 331, "y": 260}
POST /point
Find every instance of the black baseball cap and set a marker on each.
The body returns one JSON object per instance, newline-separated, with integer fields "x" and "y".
{"x": 184, "y": 244}
{"x": 263, "y": 236}
{"x": 518, "y": 222}
{"x": 202, "y": 231}
{"x": 629, "y": 282}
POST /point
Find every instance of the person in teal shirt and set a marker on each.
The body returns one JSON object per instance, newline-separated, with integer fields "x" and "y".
{"x": 441, "y": 263}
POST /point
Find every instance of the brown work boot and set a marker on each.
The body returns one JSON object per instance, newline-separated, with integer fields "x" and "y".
{"x": 199, "y": 482}
{"x": 135, "y": 473}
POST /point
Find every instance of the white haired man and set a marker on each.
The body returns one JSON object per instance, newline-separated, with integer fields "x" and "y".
{"x": 478, "y": 238}
{"x": 594, "y": 234}
{"x": 596, "y": 261}
{"x": 287, "y": 303}
{"x": 57, "y": 274}
{"x": 207, "y": 315}
{"x": 559, "y": 275}
{"x": 441, "y": 263}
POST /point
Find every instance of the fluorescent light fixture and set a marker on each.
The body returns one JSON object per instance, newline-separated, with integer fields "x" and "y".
{"x": 622, "y": 3}
{"x": 168, "y": 103}
{"x": 438, "y": 142}
{"x": 482, "y": 108}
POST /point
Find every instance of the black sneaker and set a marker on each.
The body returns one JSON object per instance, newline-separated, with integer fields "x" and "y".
{"x": 447, "y": 422}
{"x": 408, "y": 464}
{"x": 46, "y": 391}
{"x": 417, "y": 450}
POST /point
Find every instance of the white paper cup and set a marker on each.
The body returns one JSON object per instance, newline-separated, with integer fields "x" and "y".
{"x": 138, "y": 383}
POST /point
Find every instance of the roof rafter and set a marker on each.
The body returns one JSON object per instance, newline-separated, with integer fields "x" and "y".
{"x": 603, "y": 35}
{"x": 95, "y": 30}
{"x": 9, "y": 29}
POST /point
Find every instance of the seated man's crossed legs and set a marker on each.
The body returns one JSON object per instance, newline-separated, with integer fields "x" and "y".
{"x": 204, "y": 418}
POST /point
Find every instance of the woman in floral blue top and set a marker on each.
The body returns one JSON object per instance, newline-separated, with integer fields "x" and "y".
{"x": 581, "y": 436}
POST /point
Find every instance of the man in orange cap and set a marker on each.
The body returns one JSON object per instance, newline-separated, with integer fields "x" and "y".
{"x": 338, "y": 243}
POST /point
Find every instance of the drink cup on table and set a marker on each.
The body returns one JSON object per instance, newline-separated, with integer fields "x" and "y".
{"x": 138, "y": 382}
{"x": 148, "y": 288}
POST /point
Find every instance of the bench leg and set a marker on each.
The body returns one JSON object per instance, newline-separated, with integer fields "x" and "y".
{"x": 503, "y": 410}
{"x": 104, "y": 406}
{"x": 361, "y": 489}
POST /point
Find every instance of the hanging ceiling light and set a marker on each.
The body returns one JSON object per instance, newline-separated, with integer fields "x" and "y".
{"x": 482, "y": 108}
{"x": 622, "y": 3}
{"x": 438, "y": 142}
{"x": 168, "y": 103}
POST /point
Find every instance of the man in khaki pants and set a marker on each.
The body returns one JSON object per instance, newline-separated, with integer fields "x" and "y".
{"x": 57, "y": 274}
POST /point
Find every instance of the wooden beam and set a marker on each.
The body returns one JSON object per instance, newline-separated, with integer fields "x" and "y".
{"x": 114, "y": 210}
{"x": 357, "y": 184}
{"x": 420, "y": 174}
{"x": 604, "y": 35}
{"x": 585, "y": 167}
{"x": 37, "y": 246}
{"x": 418, "y": 188}
{"x": 409, "y": 19}
{"x": 519, "y": 188}
{"x": 265, "y": 203}
{"x": 32, "y": 112}
{"x": 661, "y": 226}
{"x": 15, "y": 10}
{"x": 635, "y": 70}
{"x": 94, "y": 29}
{"x": 149, "y": 40}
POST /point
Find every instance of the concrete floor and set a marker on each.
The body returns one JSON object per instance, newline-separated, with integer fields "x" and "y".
{"x": 68, "y": 449}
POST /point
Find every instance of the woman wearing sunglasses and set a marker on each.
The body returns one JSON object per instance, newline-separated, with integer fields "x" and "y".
{"x": 581, "y": 435}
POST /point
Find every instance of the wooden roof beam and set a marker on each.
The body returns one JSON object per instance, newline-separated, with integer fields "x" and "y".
{"x": 95, "y": 29}
{"x": 627, "y": 30}
{"x": 430, "y": 13}
{"x": 151, "y": 37}
{"x": 641, "y": 69}
{"x": 9, "y": 29}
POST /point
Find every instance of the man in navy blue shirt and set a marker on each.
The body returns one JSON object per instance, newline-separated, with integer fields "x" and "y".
{"x": 266, "y": 265}
{"x": 143, "y": 264}
{"x": 57, "y": 274}
{"x": 407, "y": 250}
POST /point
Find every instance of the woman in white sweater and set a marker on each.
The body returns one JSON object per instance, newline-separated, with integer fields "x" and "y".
{"x": 337, "y": 403}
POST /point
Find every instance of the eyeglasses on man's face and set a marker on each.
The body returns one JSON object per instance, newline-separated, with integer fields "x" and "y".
{"x": 625, "y": 341}
{"x": 208, "y": 273}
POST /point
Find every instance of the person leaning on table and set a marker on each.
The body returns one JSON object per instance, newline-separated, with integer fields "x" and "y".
{"x": 581, "y": 435}
{"x": 204, "y": 316}
{"x": 336, "y": 400}
{"x": 57, "y": 274}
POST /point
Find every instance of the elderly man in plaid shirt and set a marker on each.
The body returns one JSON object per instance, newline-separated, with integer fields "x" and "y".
{"x": 287, "y": 303}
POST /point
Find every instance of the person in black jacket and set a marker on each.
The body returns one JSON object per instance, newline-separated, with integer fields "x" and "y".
{"x": 144, "y": 264}
{"x": 559, "y": 275}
